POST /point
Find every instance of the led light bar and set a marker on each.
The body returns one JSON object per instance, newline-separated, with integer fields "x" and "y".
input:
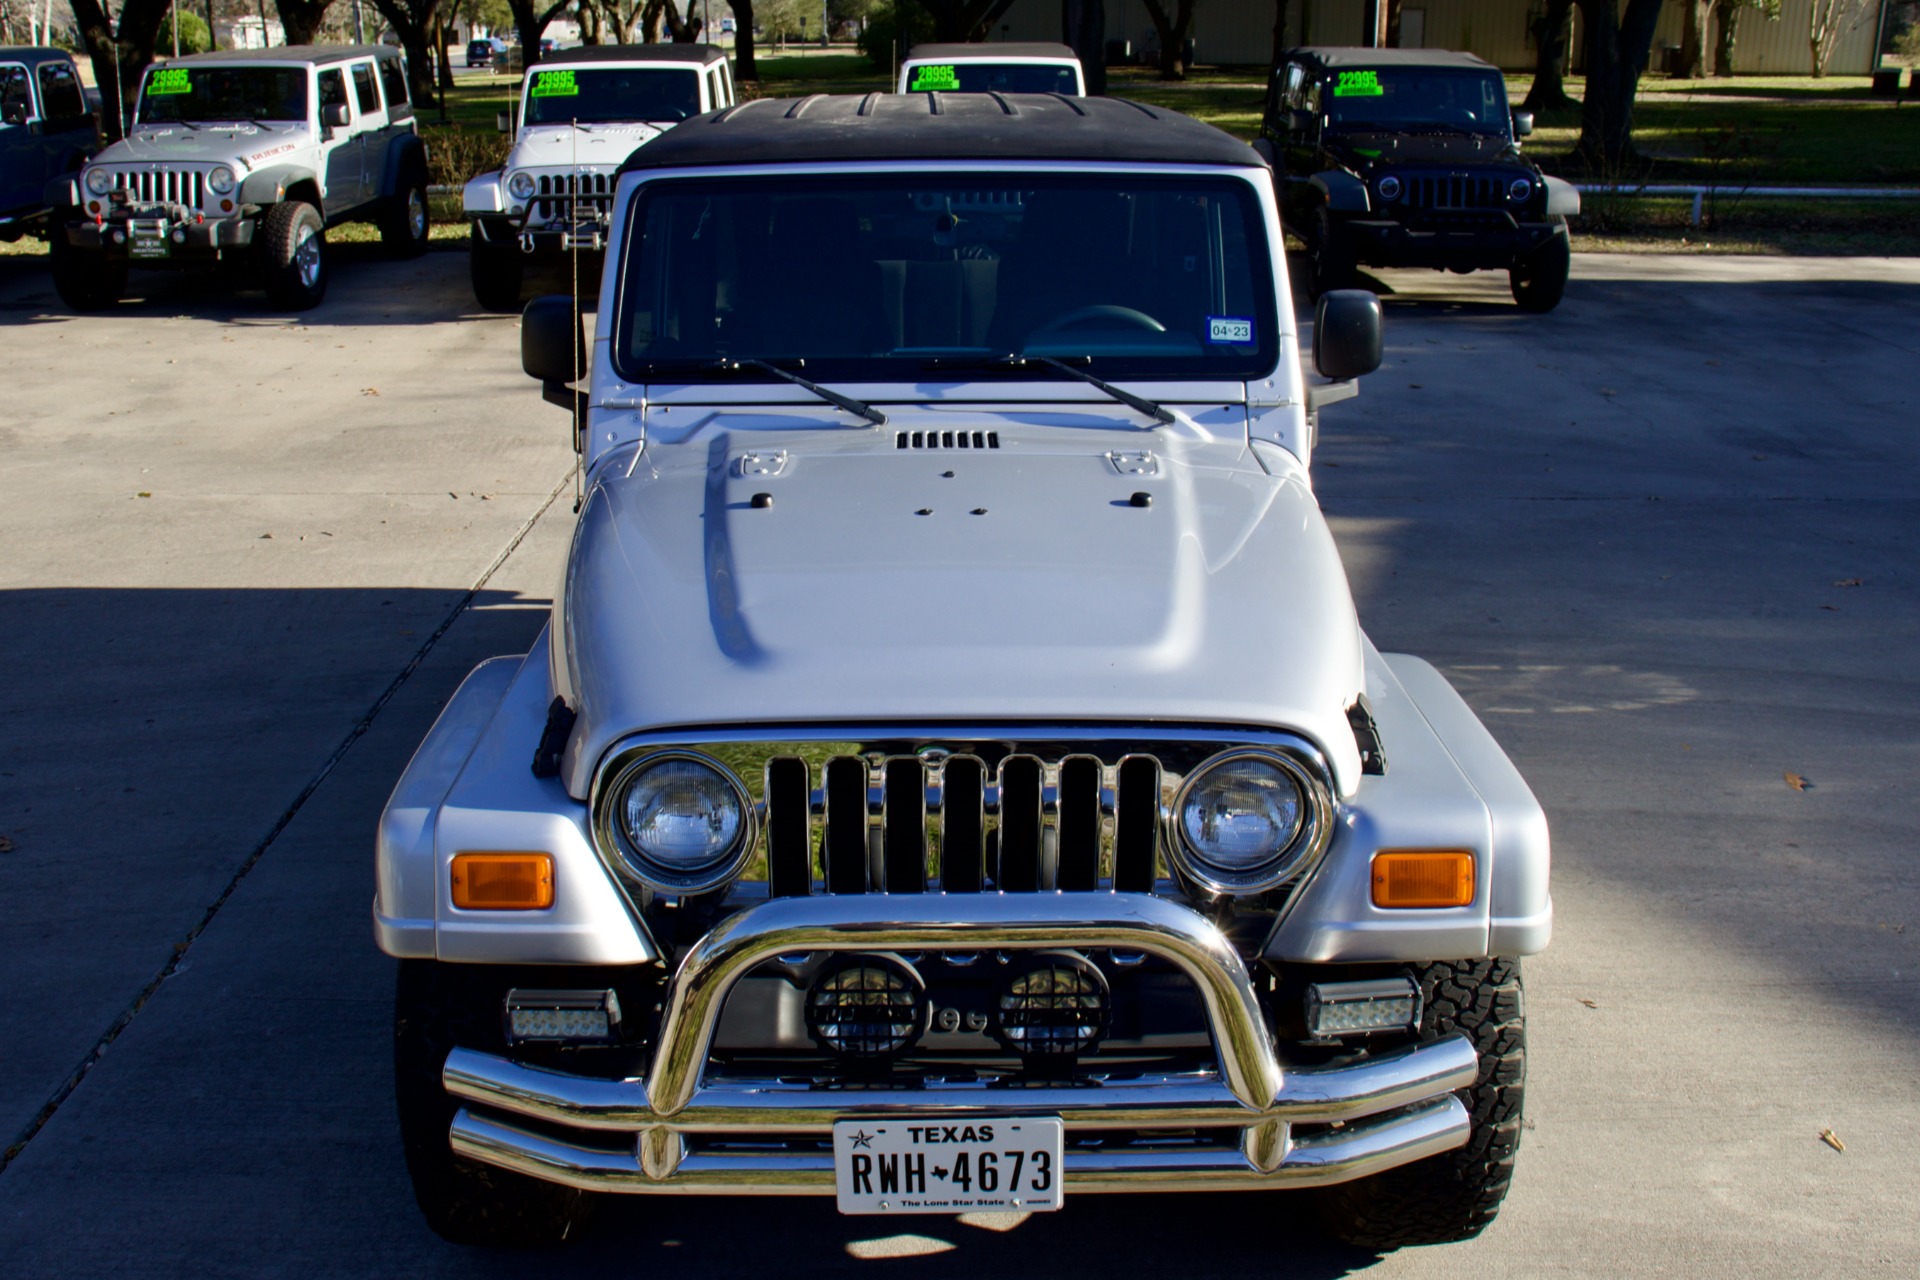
{"x": 579, "y": 1017}
{"x": 1360, "y": 1008}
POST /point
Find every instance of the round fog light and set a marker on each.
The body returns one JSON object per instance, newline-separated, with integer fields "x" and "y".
{"x": 1389, "y": 188}
{"x": 1519, "y": 190}
{"x": 1057, "y": 1007}
{"x": 867, "y": 1007}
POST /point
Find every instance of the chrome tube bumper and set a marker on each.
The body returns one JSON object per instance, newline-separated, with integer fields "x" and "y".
{"x": 1390, "y": 1109}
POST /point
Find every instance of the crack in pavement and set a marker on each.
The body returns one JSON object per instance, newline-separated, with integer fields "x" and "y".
{"x": 354, "y": 734}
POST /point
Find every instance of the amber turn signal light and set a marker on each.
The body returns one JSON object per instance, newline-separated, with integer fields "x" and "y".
{"x": 1422, "y": 878}
{"x": 502, "y": 881}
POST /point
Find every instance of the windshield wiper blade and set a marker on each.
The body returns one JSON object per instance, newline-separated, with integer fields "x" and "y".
{"x": 1132, "y": 401}
{"x": 848, "y": 403}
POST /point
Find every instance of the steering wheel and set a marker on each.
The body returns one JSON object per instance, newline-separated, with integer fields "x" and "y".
{"x": 1104, "y": 311}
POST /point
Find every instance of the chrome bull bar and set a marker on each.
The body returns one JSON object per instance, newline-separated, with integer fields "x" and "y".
{"x": 1391, "y": 1109}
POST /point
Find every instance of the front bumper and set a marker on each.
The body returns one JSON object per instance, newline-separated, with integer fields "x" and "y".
{"x": 1496, "y": 242}
{"x": 122, "y": 236}
{"x": 683, "y": 1129}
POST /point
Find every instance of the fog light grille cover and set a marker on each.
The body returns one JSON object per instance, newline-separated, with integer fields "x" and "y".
{"x": 1058, "y": 1007}
{"x": 870, "y": 1007}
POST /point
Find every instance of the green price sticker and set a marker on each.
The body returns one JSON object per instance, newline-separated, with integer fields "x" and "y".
{"x": 555, "y": 84}
{"x": 1358, "y": 84}
{"x": 931, "y": 79}
{"x": 170, "y": 80}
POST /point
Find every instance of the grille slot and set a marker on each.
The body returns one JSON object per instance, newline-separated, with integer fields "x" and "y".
{"x": 1022, "y": 829}
{"x": 904, "y": 838}
{"x": 163, "y": 186}
{"x": 946, "y": 440}
{"x": 847, "y": 825}
{"x": 963, "y": 824}
{"x": 789, "y": 846}
{"x": 1456, "y": 191}
{"x": 1136, "y": 824}
{"x": 1079, "y": 823}
{"x": 559, "y": 193}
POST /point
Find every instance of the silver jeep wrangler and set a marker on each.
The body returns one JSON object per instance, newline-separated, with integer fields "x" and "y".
{"x": 582, "y": 112}
{"x": 954, "y": 778}
{"x": 248, "y": 155}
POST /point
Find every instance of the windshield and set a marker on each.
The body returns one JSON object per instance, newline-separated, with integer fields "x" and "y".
{"x": 610, "y": 95}
{"x": 224, "y": 93}
{"x": 883, "y": 277}
{"x": 1400, "y": 97}
{"x": 991, "y": 77}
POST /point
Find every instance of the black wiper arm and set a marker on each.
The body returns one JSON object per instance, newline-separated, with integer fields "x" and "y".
{"x": 1127, "y": 398}
{"x": 848, "y": 403}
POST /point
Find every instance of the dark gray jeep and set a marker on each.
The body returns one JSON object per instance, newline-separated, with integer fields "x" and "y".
{"x": 1411, "y": 158}
{"x": 46, "y": 131}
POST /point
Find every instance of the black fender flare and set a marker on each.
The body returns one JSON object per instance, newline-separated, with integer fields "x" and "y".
{"x": 1341, "y": 191}
{"x": 405, "y": 154}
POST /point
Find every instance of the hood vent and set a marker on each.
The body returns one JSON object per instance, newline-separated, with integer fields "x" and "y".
{"x": 946, "y": 440}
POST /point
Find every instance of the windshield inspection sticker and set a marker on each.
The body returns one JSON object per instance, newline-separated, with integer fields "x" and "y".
{"x": 934, "y": 79}
{"x": 1235, "y": 329}
{"x": 555, "y": 84}
{"x": 1358, "y": 84}
{"x": 170, "y": 80}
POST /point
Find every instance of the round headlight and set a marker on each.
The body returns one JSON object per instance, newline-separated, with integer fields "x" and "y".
{"x": 680, "y": 823}
{"x": 1247, "y": 821}
{"x": 220, "y": 179}
{"x": 1389, "y": 188}
{"x": 520, "y": 186}
{"x": 1519, "y": 189}
{"x": 99, "y": 181}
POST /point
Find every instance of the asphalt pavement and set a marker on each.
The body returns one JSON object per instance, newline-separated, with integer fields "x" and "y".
{"x": 1663, "y": 539}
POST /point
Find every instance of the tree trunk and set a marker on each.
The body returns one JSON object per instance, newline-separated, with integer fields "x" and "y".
{"x": 412, "y": 21}
{"x": 1617, "y": 49}
{"x": 743, "y": 68}
{"x": 530, "y": 22}
{"x": 1551, "y": 31}
{"x": 1083, "y": 25}
{"x": 119, "y": 58}
{"x": 1725, "y": 12}
{"x": 1281, "y": 42}
{"x": 1172, "y": 33}
{"x": 1393, "y": 24}
{"x": 1693, "y": 39}
{"x": 301, "y": 19}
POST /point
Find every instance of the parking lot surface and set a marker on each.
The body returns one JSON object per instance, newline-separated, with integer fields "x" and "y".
{"x": 1663, "y": 539}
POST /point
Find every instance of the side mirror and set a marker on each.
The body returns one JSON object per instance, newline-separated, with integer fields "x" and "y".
{"x": 1346, "y": 334}
{"x": 334, "y": 115}
{"x": 1522, "y": 124}
{"x": 552, "y": 339}
{"x": 503, "y": 121}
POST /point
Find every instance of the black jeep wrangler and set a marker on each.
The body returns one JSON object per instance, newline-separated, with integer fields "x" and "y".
{"x": 1411, "y": 158}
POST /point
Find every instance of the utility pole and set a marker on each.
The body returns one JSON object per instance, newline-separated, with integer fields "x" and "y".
{"x": 359, "y": 28}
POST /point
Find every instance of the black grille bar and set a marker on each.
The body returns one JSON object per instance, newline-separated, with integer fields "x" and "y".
{"x": 789, "y": 833}
{"x": 1021, "y": 825}
{"x": 904, "y": 824}
{"x": 846, "y": 845}
{"x": 1455, "y": 191}
{"x": 1079, "y": 823}
{"x": 1136, "y": 824}
{"x": 963, "y": 824}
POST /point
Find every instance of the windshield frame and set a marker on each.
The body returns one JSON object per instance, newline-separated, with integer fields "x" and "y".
{"x": 300, "y": 71}
{"x": 693, "y": 73}
{"x": 962, "y": 367}
{"x": 1502, "y": 128}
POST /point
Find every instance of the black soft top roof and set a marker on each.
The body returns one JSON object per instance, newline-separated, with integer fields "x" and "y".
{"x": 988, "y": 52}
{"x": 32, "y": 55}
{"x": 1335, "y": 56}
{"x": 317, "y": 54}
{"x": 941, "y": 126}
{"x": 698, "y": 55}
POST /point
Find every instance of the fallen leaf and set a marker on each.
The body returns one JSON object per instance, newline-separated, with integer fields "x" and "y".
{"x": 1415, "y": 386}
{"x": 1849, "y": 582}
{"x": 1589, "y": 1003}
{"x": 265, "y": 536}
{"x": 1608, "y": 391}
{"x": 1832, "y": 1139}
{"x": 143, "y": 494}
{"x": 1795, "y": 781}
{"x": 453, "y": 495}
{"x": 1830, "y": 608}
{"x": 1759, "y": 457}
{"x": 1713, "y": 364}
{"x": 6, "y": 845}
{"x": 369, "y": 391}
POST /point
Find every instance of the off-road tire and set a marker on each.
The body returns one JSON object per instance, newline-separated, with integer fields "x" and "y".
{"x": 1452, "y": 1196}
{"x": 1330, "y": 258}
{"x": 407, "y": 223}
{"x": 497, "y": 275}
{"x": 1540, "y": 279}
{"x": 436, "y": 1007}
{"x": 294, "y": 267}
{"x": 85, "y": 279}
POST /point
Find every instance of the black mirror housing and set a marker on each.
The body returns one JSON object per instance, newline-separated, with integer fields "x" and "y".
{"x": 1347, "y": 334}
{"x": 334, "y": 115}
{"x": 503, "y": 121}
{"x": 1522, "y": 124}
{"x": 553, "y": 344}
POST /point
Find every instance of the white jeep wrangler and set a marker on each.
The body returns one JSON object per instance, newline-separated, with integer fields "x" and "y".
{"x": 582, "y": 112}
{"x": 954, "y": 777}
{"x": 248, "y": 155}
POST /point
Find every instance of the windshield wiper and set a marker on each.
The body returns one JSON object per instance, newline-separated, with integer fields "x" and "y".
{"x": 848, "y": 403}
{"x": 1011, "y": 361}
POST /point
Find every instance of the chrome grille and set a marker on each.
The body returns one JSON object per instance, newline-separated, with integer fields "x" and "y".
{"x": 1455, "y": 191}
{"x": 164, "y": 186}
{"x": 558, "y": 193}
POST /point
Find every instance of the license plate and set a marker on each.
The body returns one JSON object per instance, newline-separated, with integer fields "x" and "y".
{"x": 1006, "y": 1166}
{"x": 144, "y": 248}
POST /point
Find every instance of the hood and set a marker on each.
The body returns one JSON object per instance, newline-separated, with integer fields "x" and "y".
{"x": 251, "y": 145}
{"x": 600, "y": 146}
{"x": 1366, "y": 151}
{"x": 1011, "y": 584}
